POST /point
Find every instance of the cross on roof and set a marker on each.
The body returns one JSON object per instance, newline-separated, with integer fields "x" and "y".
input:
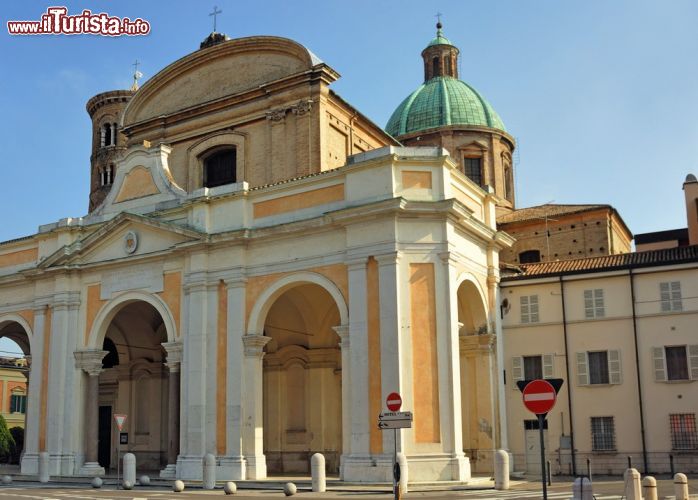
{"x": 135, "y": 66}
{"x": 438, "y": 17}
{"x": 215, "y": 13}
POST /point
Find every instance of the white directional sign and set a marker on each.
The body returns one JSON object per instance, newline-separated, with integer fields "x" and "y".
{"x": 395, "y": 420}
{"x": 395, "y": 415}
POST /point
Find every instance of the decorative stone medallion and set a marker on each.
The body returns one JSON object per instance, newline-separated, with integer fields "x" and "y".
{"x": 130, "y": 242}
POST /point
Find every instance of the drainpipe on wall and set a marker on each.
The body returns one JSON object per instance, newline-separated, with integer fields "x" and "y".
{"x": 569, "y": 381}
{"x": 637, "y": 370}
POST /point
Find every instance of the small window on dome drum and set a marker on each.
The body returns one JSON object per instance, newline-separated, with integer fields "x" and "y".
{"x": 219, "y": 168}
{"x": 529, "y": 257}
{"x": 472, "y": 167}
{"x": 435, "y": 67}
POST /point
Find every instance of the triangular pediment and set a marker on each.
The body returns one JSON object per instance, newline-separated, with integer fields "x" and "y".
{"x": 127, "y": 236}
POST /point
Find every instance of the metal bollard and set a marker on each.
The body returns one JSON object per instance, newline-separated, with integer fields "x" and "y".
{"x": 633, "y": 489}
{"x": 501, "y": 470}
{"x": 129, "y": 469}
{"x": 589, "y": 469}
{"x": 582, "y": 489}
{"x": 209, "y": 472}
{"x": 402, "y": 460}
{"x": 43, "y": 467}
{"x": 317, "y": 470}
{"x": 549, "y": 472}
{"x": 680, "y": 486}
{"x": 630, "y": 462}
{"x": 671, "y": 465}
{"x": 649, "y": 488}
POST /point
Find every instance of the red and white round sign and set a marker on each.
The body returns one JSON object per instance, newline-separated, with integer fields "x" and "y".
{"x": 394, "y": 401}
{"x": 539, "y": 396}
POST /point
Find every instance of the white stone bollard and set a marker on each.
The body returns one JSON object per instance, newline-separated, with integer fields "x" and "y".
{"x": 289, "y": 489}
{"x": 144, "y": 480}
{"x": 230, "y": 488}
{"x": 680, "y": 486}
{"x": 127, "y": 485}
{"x": 43, "y": 467}
{"x": 582, "y": 489}
{"x": 317, "y": 470}
{"x": 178, "y": 486}
{"x": 402, "y": 460}
{"x": 6, "y": 479}
{"x": 129, "y": 462}
{"x": 633, "y": 489}
{"x": 649, "y": 488}
{"x": 97, "y": 482}
{"x": 501, "y": 470}
{"x": 209, "y": 474}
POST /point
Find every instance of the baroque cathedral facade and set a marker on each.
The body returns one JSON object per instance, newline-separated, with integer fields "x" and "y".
{"x": 261, "y": 265}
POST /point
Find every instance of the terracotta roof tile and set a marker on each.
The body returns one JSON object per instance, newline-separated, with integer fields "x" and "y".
{"x": 665, "y": 256}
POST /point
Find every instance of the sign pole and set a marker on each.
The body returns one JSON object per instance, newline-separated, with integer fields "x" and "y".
{"x": 118, "y": 460}
{"x": 541, "y": 422}
{"x": 395, "y": 467}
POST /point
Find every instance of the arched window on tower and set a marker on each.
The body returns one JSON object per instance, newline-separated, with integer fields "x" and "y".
{"x": 436, "y": 67}
{"x": 107, "y": 135}
{"x": 448, "y": 66}
{"x": 220, "y": 168}
{"x": 113, "y": 134}
{"x": 508, "y": 184}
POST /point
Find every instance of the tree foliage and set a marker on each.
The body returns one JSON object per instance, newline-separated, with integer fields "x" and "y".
{"x": 7, "y": 442}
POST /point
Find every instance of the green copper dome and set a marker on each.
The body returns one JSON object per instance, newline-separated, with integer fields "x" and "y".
{"x": 440, "y": 102}
{"x": 440, "y": 39}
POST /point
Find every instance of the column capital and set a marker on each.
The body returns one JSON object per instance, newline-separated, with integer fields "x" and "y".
{"x": 343, "y": 332}
{"x": 90, "y": 360}
{"x": 236, "y": 282}
{"x": 356, "y": 263}
{"x": 174, "y": 355}
{"x": 254, "y": 344}
{"x": 448, "y": 258}
{"x": 387, "y": 259}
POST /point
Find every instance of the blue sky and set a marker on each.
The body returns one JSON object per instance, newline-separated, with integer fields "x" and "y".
{"x": 601, "y": 95}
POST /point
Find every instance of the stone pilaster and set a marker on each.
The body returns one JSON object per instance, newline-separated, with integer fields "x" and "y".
{"x": 345, "y": 346}
{"x": 173, "y": 363}
{"x": 253, "y": 427}
{"x": 90, "y": 361}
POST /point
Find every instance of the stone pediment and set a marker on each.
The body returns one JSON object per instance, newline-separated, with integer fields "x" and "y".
{"x": 125, "y": 236}
{"x": 143, "y": 183}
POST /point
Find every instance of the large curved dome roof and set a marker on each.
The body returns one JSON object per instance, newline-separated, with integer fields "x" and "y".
{"x": 440, "y": 102}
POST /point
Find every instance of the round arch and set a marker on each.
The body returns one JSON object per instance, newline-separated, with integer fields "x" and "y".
{"x": 478, "y": 309}
{"x": 6, "y": 319}
{"x": 255, "y": 324}
{"x": 109, "y": 310}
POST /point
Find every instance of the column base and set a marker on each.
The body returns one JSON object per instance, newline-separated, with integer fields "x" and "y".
{"x": 379, "y": 468}
{"x": 256, "y": 467}
{"x": 190, "y": 467}
{"x": 169, "y": 472}
{"x": 232, "y": 468}
{"x": 91, "y": 469}
{"x": 30, "y": 464}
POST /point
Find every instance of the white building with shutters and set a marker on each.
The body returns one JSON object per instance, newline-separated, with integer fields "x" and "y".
{"x": 622, "y": 331}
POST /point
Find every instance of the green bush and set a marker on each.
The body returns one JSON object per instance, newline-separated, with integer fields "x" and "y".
{"x": 7, "y": 442}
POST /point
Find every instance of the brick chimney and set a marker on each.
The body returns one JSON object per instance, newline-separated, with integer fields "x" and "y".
{"x": 690, "y": 189}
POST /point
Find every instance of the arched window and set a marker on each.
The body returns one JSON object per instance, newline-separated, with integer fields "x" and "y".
{"x": 435, "y": 67}
{"x": 107, "y": 135}
{"x": 219, "y": 168}
{"x": 508, "y": 184}
{"x": 113, "y": 134}
{"x": 448, "y": 67}
{"x": 529, "y": 257}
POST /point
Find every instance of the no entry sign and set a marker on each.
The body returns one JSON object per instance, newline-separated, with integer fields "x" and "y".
{"x": 393, "y": 401}
{"x": 539, "y": 396}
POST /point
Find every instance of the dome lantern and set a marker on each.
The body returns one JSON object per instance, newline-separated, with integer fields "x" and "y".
{"x": 440, "y": 57}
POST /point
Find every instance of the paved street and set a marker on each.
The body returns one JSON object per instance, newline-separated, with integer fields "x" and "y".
{"x": 603, "y": 490}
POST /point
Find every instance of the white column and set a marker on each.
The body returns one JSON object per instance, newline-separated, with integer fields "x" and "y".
{"x": 449, "y": 365}
{"x": 253, "y": 418}
{"x": 195, "y": 421}
{"x": 358, "y": 426}
{"x": 234, "y": 462}
{"x": 174, "y": 360}
{"x": 91, "y": 362}
{"x": 31, "y": 437}
{"x": 390, "y": 333}
{"x": 343, "y": 332}
{"x": 503, "y": 434}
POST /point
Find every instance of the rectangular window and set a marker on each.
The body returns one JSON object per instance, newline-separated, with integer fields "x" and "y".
{"x": 676, "y": 363}
{"x": 603, "y": 434}
{"x": 18, "y": 403}
{"x": 683, "y": 431}
{"x": 533, "y": 367}
{"x": 670, "y": 296}
{"x": 529, "y": 309}
{"x": 472, "y": 167}
{"x": 599, "y": 367}
{"x": 593, "y": 304}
